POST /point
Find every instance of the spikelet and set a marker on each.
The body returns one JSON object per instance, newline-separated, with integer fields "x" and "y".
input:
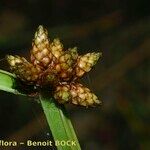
{"x": 56, "y": 48}
{"x": 61, "y": 69}
{"x": 62, "y": 93}
{"x": 75, "y": 93}
{"x": 85, "y": 63}
{"x": 23, "y": 69}
{"x": 58, "y": 68}
{"x": 73, "y": 52}
{"x": 65, "y": 64}
{"x": 40, "y": 53}
{"x": 83, "y": 96}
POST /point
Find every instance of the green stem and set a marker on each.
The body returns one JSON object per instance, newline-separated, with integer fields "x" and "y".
{"x": 57, "y": 118}
{"x": 60, "y": 124}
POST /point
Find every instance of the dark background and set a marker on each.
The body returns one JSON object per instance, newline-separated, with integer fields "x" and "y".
{"x": 121, "y": 31}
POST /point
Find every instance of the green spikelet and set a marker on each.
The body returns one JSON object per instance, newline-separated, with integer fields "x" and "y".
{"x": 56, "y": 48}
{"x": 85, "y": 63}
{"x": 62, "y": 93}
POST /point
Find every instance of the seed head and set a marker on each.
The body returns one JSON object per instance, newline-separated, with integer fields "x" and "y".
{"x": 52, "y": 65}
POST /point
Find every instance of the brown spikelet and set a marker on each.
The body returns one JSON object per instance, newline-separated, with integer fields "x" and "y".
{"x": 65, "y": 64}
{"x": 61, "y": 69}
{"x": 83, "y": 96}
{"x": 77, "y": 94}
{"x": 23, "y": 69}
{"x": 40, "y": 53}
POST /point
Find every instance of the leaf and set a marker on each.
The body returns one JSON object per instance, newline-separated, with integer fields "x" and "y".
{"x": 8, "y": 83}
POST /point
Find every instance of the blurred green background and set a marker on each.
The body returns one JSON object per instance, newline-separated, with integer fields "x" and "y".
{"x": 121, "y": 31}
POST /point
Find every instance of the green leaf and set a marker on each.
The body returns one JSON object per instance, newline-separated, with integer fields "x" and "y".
{"x": 8, "y": 83}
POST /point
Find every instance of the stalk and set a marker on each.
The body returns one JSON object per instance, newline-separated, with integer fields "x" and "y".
{"x": 59, "y": 123}
{"x": 56, "y": 115}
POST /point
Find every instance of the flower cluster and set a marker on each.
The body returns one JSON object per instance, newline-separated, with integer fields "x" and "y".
{"x": 52, "y": 65}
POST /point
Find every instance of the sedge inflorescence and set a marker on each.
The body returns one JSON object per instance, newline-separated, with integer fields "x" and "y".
{"x": 51, "y": 65}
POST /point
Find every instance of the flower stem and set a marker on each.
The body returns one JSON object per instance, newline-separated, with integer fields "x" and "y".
{"x": 60, "y": 124}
